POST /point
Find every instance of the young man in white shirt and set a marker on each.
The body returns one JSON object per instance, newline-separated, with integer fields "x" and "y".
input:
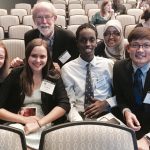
{"x": 74, "y": 77}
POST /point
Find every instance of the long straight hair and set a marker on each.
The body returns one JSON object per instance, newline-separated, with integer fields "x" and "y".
{"x": 26, "y": 76}
{"x": 4, "y": 69}
{"x": 104, "y": 3}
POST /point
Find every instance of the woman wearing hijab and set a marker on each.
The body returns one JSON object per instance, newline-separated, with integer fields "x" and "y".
{"x": 113, "y": 45}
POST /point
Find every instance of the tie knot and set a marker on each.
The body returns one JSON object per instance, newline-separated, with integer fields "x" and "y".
{"x": 88, "y": 65}
{"x": 138, "y": 72}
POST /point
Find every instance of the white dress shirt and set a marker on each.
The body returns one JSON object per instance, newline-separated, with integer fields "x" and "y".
{"x": 74, "y": 77}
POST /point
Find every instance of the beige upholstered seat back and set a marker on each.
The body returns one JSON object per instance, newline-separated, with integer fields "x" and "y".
{"x": 15, "y": 47}
{"x": 11, "y": 139}
{"x": 88, "y": 136}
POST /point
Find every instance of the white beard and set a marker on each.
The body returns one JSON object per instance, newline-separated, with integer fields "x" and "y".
{"x": 45, "y": 30}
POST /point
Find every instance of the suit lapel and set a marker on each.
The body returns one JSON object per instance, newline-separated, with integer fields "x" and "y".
{"x": 129, "y": 69}
{"x": 147, "y": 83}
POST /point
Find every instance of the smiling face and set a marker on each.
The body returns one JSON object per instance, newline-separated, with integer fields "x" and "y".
{"x": 139, "y": 51}
{"x": 45, "y": 20}
{"x": 37, "y": 59}
{"x": 108, "y": 7}
{"x": 87, "y": 43}
{"x": 2, "y": 57}
{"x": 112, "y": 37}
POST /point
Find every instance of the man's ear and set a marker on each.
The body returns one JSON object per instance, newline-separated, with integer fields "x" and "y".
{"x": 55, "y": 17}
{"x": 128, "y": 48}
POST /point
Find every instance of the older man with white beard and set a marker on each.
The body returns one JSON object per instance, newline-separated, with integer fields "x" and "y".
{"x": 62, "y": 43}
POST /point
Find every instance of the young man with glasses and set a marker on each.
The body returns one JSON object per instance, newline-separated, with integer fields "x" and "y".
{"x": 131, "y": 78}
{"x": 61, "y": 42}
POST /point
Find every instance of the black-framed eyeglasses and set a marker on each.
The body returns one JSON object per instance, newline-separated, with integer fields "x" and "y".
{"x": 137, "y": 45}
{"x": 115, "y": 33}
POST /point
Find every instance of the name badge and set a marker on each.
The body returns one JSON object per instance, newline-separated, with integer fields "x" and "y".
{"x": 47, "y": 87}
{"x": 64, "y": 57}
{"x": 100, "y": 82}
{"x": 147, "y": 98}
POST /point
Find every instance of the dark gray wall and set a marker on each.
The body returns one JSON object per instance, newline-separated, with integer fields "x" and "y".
{"x": 8, "y": 4}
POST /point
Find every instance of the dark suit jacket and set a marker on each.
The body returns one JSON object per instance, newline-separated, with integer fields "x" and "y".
{"x": 12, "y": 95}
{"x": 123, "y": 86}
{"x": 63, "y": 40}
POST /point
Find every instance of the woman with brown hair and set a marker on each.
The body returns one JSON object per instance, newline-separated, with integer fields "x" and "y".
{"x": 36, "y": 85}
{"x": 106, "y": 13}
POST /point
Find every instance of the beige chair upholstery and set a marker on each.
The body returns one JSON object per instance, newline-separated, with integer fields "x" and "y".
{"x": 73, "y": 28}
{"x": 58, "y": 2}
{"x": 84, "y": 2}
{"x": 92, "y": 12}
{"x": 78, "y": 19}
{"x": 74, "y": 2}
{"x": 135, "y": 12}
{"x": 90, "y": 6}
{"x": 132, "y": 2}
{"x": 18, "y": 31}
{"x": 19, "y": 12}
{"x": 76, "y": 12}
{"x": 88, "y": 135}
{"x": 100, "y": 30}
{"x": 3, "y": 12}
{"x": 74, "y": 6}
{"x": 8, "y": 20}
{"x": 61, "y": 12}
{"x": 11, "y": 138}
{"x": 15, "y": 47}
{"x": 2, "y": 34}
{"x": 60, "y": 6}
{"x": 128, "y": 29}
{"x": 127, "y": 5}
{"x": 126, "y": 20}
{"x": 28, "y": 20}
{"x": 24, "y": 6}
{"x": 61, "y": 21}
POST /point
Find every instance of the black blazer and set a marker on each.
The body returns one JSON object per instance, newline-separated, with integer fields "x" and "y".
{"x": 63, "y": 40}
{"x": 12, "y": 95}
{"x": 123, "y": 86}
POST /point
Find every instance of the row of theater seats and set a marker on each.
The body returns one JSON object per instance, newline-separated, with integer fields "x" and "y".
{"x": 85, "y": 135}
{"x": 13, "y": 29}
{"x": 15, "y": 42}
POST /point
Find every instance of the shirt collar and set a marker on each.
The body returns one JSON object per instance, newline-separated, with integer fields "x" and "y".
{"x": 144, "y": 69}
{"x": 84, "y": 63}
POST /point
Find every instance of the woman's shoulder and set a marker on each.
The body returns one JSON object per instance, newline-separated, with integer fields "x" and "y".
{"x": 17, "y": 69}
{"x": 53, "y": 76}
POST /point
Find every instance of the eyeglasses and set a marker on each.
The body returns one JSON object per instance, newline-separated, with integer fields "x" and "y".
{"x": 47, "y": 17}
{"x": 115, "y": 33}
{"x": 137, "y": 45}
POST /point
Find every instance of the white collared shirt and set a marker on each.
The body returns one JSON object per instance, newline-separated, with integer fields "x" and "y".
{"x": 74, "y": 77}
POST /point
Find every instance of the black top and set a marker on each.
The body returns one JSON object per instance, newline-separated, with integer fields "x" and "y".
{"x": 63, "y": 40}
{"x": 12, "y": 95}
{"x": 123, "y": 86}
